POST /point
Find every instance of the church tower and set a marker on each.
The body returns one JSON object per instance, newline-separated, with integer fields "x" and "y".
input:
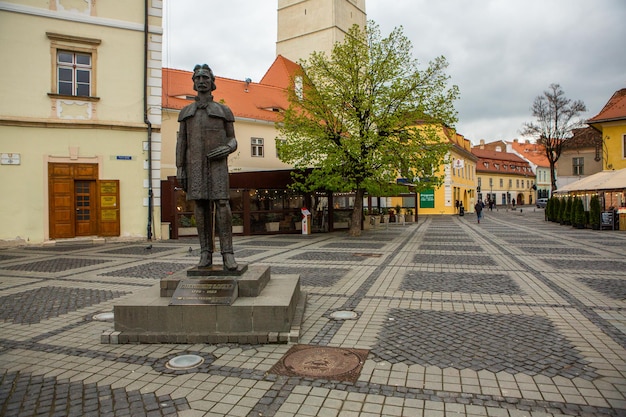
{"x": 305, "y": 26}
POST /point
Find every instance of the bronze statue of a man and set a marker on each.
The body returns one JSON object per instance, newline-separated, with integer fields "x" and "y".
{"x": 205, "y": 139}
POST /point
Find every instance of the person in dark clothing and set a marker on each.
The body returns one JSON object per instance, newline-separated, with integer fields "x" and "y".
{"x": 478, "y": 207}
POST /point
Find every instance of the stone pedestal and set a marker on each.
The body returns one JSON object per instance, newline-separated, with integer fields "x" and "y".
{"x": 266, "y": 309}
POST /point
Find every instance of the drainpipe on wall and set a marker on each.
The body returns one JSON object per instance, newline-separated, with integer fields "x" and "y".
{"x": 145, "y": 117}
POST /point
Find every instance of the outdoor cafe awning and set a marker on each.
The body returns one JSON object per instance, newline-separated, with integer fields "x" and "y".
{"x": 605, "y": 180}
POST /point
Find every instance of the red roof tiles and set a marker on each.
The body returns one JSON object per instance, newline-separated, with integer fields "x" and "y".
{"x": 500, "y": 162}
{"x": 259, "y": 101}
{"x": 614, "y": 109}
{"x": 533, "y": 152}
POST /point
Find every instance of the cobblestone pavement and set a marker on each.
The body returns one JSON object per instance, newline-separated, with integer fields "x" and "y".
{"x": 510, "y": 317}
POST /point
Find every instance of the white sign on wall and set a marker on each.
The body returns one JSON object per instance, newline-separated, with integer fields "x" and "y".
{"x": 10, "y": 159}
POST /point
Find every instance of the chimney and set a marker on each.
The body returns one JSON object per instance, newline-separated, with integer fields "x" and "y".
{"x": 515, "y": 140}
{"x": 482, "y": 144}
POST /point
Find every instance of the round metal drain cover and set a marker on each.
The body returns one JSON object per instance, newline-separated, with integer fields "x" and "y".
{"x": 184, "y": 362}
{"x": 324, "y": 362}
{"x": 344, "y": 315}
{"x": 104, "y": 316}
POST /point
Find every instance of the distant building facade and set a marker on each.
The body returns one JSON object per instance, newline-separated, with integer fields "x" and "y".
{"x": 503, "y": 177}
{"x": 581, "y": 156}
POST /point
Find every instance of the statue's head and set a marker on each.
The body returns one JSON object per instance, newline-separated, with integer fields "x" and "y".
{"x": 203, "y": 71}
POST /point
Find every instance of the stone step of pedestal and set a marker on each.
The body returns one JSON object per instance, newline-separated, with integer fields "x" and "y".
{"x": 146, "y": 317}
{"x": 250, "y": 283}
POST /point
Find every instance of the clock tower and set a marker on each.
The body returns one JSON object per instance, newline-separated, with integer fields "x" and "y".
{"x": 305, "y": 26}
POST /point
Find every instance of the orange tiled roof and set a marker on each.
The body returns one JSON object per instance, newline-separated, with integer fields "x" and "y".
{"x": 500, "y": 162}
{"x": 259, "y": 101}
{"x": 614, "y": 109}
{"x": 280, "y": 72}
{"x": 533, "y": 152}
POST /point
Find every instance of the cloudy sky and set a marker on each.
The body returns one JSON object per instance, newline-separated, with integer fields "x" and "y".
{"x": 501, "y": 53}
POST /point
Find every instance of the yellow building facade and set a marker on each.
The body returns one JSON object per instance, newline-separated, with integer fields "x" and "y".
{"x": 459, "y": 179}
{"x": 611, "y": 122}
{"x": 80, "y": 119}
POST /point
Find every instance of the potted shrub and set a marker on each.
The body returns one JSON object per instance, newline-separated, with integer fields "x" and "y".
{"x": 594, "y": 212}
{"x": 272, "y": 223}
{"x": 556, "y": 208}
{"x": 570, "y": 211}
{"x": 578, "y": 214}
{"x": 565, "y": 209}
{"x": 237, "y": 224}
{"x": 408, "y": 217}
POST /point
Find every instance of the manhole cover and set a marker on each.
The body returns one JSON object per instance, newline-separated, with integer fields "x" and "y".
{"x": 104, "y": 316}
{"x": 322, "y": 362}
{"x": 344, "y": 315}
{"x": 184, "y": 362}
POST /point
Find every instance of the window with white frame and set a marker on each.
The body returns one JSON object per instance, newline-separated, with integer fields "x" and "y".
{"x": 257, "y": 147}
{"x": 73, "y": 73}
{"x": 578, "y": 165}
{"x": 74, "y": 61}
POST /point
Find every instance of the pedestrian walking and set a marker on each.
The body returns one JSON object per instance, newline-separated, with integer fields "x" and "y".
{"x": 478, "y": 207}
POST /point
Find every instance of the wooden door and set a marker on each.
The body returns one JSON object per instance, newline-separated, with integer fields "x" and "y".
{"x": 61, "y": 206}
{"x": 72, "y": 200}
{"x": 85, "y": 208}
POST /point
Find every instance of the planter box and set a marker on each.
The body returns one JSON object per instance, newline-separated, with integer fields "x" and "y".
{"x": 272, "y": 226}
{"x": 187, "y": 231}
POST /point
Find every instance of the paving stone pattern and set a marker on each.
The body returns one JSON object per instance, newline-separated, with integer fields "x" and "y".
{"x": 555, "y": 250}
{"x": 455, "y": 259}
{"x": 23, "y": 394}
{"x": 56, "y": 265}
{"x": 447, "y": 334}
{"x": 354, "y": 245}
{"x": 58, "y": 248}
{"x": 512, "y": 343}
{"x": 484, "y": 283}
{"x": 4, "y": 257}
{"x": 313, "y": 277}
{"x": 612, "y": 288}
{"x": 33, "y": 306}
{"x": 451, "y": 247}
{"x": 578, "y": 264}
{"x": 328, "y": 257}
{"x": 155, "y": 270}
{"x": 139, "y": 250}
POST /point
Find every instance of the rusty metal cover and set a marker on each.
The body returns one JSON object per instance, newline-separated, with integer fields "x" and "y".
{"x": 322, "y": 362}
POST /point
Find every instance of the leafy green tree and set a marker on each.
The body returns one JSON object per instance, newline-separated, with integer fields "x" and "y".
{"x": 578, "y": 213}
{"x": 557, "y": 116}
{"x": 365, "y": 115}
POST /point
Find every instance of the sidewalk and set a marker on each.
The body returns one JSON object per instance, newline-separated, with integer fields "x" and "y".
{"x": 514, "y": 316}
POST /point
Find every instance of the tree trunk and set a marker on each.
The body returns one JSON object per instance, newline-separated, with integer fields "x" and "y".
{"x": 553, "y": 187}
{"x": 357, "y": 213}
